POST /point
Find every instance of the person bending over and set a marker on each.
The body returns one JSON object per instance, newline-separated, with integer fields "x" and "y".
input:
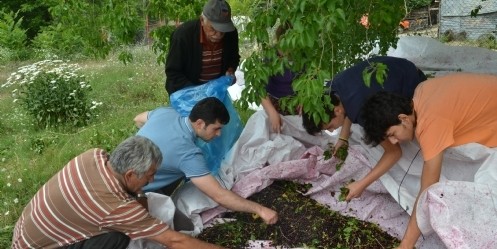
{"x": 444, "y": 112}
{"x": 175, "y": 136}
{"x": 348, "y": 94}
{"x": 93, "y": 202}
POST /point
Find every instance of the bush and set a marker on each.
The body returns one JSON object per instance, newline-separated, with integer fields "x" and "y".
{"x": 54, "y": 41}
{"x": 416, "y": 4}
{"x": 487, "y": 41}
{"x": 53, "y": 93}
{"x": 12, "y": 36}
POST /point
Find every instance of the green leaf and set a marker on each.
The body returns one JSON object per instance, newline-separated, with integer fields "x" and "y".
{"x": 475, "y": 11}
{"x": 344, "y": 191}
{"x": 366, "y": 77}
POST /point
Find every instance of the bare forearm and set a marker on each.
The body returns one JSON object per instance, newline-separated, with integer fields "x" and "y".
{"x": 268, "y": 106}
{"x": 234, "y": 202}
{"x": 177, "y": 240}
{"x": 412, "y": 232}
{"x": 430, "y": 175}
{"x": 210, "y": 186}
{"x": 345, "y": 131}
{"x": 392, "y": 153}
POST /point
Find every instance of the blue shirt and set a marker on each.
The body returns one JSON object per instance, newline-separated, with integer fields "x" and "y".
{"x": 402, "y": 78}
{"x": 175, "y": 138}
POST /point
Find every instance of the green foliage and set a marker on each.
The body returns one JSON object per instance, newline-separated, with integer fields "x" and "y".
{"x": 349, "y": 230}
{"x": 171, "y": 13}
{"x": 344, "y": 191}
{"x": 474, "y": 12}
{"x": 12, "y": 36}
{"x": 92, "y": 28}
{"x": 35, "y": 14}
{"x": 416, "y": 4}
{"x": 324, "y": 38}
{"x": 57, "y": 41}
{"x": 380, "y": 71}
{"x": 30, "y": 156}
{"x": 53, "y": 93}
{"x": 487, "y": 41}
{"x": 240, "y": 7}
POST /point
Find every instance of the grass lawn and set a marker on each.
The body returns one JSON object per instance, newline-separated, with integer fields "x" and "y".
{"x": 29, "y": 157}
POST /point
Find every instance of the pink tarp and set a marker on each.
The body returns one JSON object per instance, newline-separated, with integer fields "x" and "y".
{"x": 256, "y": 146}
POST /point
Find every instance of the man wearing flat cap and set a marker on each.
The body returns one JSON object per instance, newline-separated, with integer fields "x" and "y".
{"x": 203, "y": 49}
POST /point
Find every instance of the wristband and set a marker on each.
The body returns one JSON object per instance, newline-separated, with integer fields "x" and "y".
{"x": 343, "y": 139}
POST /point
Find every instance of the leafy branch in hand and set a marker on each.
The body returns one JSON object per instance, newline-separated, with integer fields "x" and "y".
{"x": 341, "y": 154}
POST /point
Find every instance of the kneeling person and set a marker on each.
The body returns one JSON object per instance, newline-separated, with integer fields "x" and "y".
{"x": 175, "y": 136}
{"x": 92, "y": 203}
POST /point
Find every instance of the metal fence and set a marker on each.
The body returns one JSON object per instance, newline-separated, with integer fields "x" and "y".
{"x": 456, "y": 22}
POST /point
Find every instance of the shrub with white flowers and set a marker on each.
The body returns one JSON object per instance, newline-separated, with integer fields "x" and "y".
{"x": 53, "y": 92}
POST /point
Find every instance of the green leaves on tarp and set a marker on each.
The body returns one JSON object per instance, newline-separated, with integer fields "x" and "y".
{"x": 344, "y": 191}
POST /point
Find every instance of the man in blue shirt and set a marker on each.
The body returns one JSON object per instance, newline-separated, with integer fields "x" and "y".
{"x": 176, "y": 135}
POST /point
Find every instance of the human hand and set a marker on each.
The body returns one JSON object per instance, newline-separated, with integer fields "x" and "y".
{"x": 401, "y": 246}
{"x": 299, "y": 110}
{"x": 275, "y": 120}
{"x": 338, "y": 144}
{"x": 233, "y": 77}
{"x": 142, "y": 199}
{"x": 268, "y": 215}
{"x": 355, "y": 190}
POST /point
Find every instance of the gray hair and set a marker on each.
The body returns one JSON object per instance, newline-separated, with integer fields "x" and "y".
{"x": 136, "y": 153}
{"x": 205, "y": 18}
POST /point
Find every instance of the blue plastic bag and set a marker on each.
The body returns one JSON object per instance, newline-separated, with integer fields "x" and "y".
{"x": 184, "y": 100}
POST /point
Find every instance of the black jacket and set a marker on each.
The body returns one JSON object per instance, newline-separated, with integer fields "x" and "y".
{"x": 184, "y": 59}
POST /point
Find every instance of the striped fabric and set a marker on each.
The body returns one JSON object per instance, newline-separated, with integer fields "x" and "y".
{"x": 212, "y": 61}
{"x": 83, "y": 200}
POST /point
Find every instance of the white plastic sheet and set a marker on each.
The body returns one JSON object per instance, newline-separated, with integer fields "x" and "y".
{"x": 260, "y": 157}
{"x": 463, "y": 214}
{"x": 161, "y": 207}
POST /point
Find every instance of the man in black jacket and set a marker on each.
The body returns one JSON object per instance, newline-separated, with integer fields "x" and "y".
{"x": 203, "y": 49}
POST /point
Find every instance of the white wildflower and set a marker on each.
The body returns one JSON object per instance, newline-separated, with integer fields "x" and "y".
{"x": 8, "y": 184}
{"x": 19, "y": 179}
{"x": 16, "y": 200}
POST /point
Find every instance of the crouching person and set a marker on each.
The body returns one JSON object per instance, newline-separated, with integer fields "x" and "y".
{"x": 445, "y": 112}
{"x": 92, "y": 203}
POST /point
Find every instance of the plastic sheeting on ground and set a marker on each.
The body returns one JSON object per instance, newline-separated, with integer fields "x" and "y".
{"x": 463, "y": 218}
{"x": 463, "y": 214}
{"x": 256, "y": 148}
{"x": 432, "y": 55}
{"x": 161, "y": 207}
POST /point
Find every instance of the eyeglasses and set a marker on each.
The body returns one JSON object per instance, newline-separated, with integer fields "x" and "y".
{"x": 208, "y": 29}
